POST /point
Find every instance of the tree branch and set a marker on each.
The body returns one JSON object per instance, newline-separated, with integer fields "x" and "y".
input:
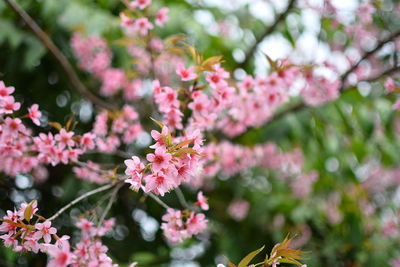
{"x": 299, "y": 106}
{"x": 82, "y": 197}
{"x": 181, "y": 198}
{"x": 267, "y": 32}
{"x": 59, "y": 56}
{"x": 381, "y": 43}
{"x": 112, "y": 199}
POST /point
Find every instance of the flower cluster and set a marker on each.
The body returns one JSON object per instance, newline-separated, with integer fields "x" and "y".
{"x": 180, "y": 225}
{"x": 172, "y": 163}
{"x": 90, "y": 251}
{"x": 23, "y": 235}
{"x": 142, "y": 25}
{"x": 125, "y": 128}
{"x": 231, "y": 159}
{"x": 238, "y": 209}
{"x": 302, "y": 185}
{"x": 391, "y": 87}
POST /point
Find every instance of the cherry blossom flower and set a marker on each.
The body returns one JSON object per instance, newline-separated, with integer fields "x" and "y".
{"x": 202, "y": 201}
{"x": 5, "y": 91}
{"x": 396, "y": 105}
{"x": 161, "y": 16}
{"x": 126, "y": 21}
{"x": 13, "y": 126}
{"x": 8, "y": 105}
{"x": 34, "y": 114}
{"x": 365, "y": 12}
{"x": 238, "y": 210}
{"x": 186, "y": 74}
{"x": 141, "y": 4}
{"x": 60, "y": 254}
{"x": 134, "y": 170}
{"x": 44, "y": 230}
{"x": 65, "y": 139}
{"x": 176, "y": 228}
{"x": 87, "y": 141}
{"x": 390, "y": 86}
{"x": 159, "y": 183}
{"x": 196, "y": 223}
{"x": 142, "y": 25}
{"x": 160, "y": 159}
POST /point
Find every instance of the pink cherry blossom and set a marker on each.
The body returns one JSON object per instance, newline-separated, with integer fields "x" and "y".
{"x": 396, "y": 105}
{"x": 186, "y": 74}
{"x": 238, "y": 210}
{"x": 142, "y": 25}
{"x": 126, "y": 21}
{"x": 159, "y": 137}
{"x": 60, "y": 254}
{"x": 87, "y": 141}
{"x": 132, "y": 132}
{"x": 365, "y": 12}
{"x": 161, "y": 16}
{"x": 65, "y": 139}
{"x": 160, "y": 159}
{"x": 176, "y": 228}
{"x": 134, "y": 170}
{"x": 8, "y": 105}
{"x": 44, "y": 230}
{"x": 5, "y": 91}
{"x": 202, "y": 201}
{"x": 158, "y": 183}
{"x": 390, "y": 86}
{"x": 141, "y": 4}
{"x": 13, "y": 126}
{"x": 34, "y": 114}
{"x": 196, "y": 223}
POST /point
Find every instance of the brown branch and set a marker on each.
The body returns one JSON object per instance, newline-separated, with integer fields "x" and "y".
{"x": 299, "y": 106}
{"x": 59, "y": 56}
{"x": 378, "y": 76}
{"x": 381, "y": 43}
{"x": 267, "y": 32}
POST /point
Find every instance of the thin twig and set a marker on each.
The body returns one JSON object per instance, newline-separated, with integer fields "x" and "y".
{"x": 181, "y": 197}
{"x": 299, "y": 106}
{"x": 381, "y": 43}
{"x": 267, "y": 32}
{"x": 109, "y": 204}
{"x": 59, "y": 56}
{"x": 378, "y": 76}
{"x": 78, "y": 199}
{"x": 157, "y": 199}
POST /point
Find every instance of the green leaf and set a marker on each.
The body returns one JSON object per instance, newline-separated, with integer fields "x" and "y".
{"x": 246, "y": 260}
{"x": 29, "y": 211}
{"x": 230, "y": 264}
{"x": 291, "y": 261}
{"x": 159, "y": 123}
{"x": 185, "y": 150}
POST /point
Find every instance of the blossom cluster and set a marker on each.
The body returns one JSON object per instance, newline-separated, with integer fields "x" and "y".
{"x": 172, "y": 163}
{"x": 391, "y": 87}
{"x": 180, "y": 225}
{"x": 23, "y": 152}
{"x": 142, "y": 25}
{"x": 231, "y": 159}
{"x": 23, "y": 235}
